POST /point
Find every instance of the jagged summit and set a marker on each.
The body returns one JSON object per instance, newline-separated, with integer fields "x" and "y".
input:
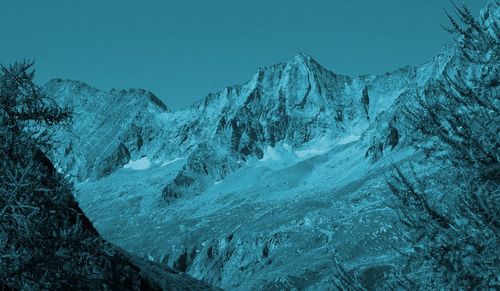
{"x": 123, "y": 124}
{"x": 307, "y": 64}
{"x": 302, "y": 58}
{"x": 294, "y": 103}
{"x": 256, "y": 179}
{"x": 83, "y": 92}
{"x": 294, "y": 130}
{"x": 300, "y": 62}
{"x": 68, "y": 84}
{"x": 141, "y": 93}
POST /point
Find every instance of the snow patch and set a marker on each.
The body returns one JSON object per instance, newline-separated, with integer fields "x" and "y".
{"x": 349, "y": 139}
{"x": 138, "y": 165}
{"x": 315, "y": 148}
{"x": 279, "y": 152}
{"x": 58, "y": 168}
{"x": 171, "y": 161}
{"x": 283, "y": 154}
{"x": 307, "y": 153}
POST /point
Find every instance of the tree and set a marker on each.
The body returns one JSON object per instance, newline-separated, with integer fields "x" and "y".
{"x": 451, "y": 216}
{"x": 45, "y": 240}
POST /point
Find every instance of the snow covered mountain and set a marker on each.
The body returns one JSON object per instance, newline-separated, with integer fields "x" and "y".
{"x": 298, "y": 104}
{"x": 259, "y": 185}
{"x": 250, "y": 181}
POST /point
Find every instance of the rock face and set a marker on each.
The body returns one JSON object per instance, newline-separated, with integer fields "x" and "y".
{"x": 256, "y": 186}
{"x": 252, "y": 181}
{"x": 296, "y": 103}
{"x": 53, "y": 245}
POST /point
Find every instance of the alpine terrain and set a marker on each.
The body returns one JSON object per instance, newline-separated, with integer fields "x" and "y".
{"x": 270, "y": 184}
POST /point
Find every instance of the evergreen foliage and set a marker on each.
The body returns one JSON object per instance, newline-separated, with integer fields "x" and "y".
{"x": 45, "y": 240}
{"x": 450, "y": 216}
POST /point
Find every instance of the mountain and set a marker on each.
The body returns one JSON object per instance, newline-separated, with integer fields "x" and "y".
{"x": 72, "y": 253}
{"x": 257, "y": 186}
{"x": 46, "y": 241}
{"x": 251, "y": 181}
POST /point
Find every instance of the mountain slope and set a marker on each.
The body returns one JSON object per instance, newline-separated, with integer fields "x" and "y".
{"x": 46, "y": 241}
{"x": 297, "y": 103}
{"x": 259, "y": 185}
{"x": 72, "y": 254}
{"x": 253, "y": 180}
{"x": 109, "y": 129}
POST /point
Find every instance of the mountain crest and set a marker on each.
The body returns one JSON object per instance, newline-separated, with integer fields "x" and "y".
{"x": 302, "y": 59}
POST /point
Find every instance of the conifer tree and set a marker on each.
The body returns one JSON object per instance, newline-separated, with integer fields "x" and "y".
{"x": 450, "y": 217}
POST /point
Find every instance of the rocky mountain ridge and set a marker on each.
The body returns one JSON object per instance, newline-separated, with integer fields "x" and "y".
{"x": 290, "y": 119}
{"x": 295, "y": 103}
{"x": 289, "y": 116}
{"x": 258, "y": 185}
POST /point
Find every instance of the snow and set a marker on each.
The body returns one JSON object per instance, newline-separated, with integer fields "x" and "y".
{"x": 311, "y": 152}
{"x": 58, "y": 168}
{"x": 280, "y": 153}
{"x": 171, "y": 161}
{"x": 314, "y": 148}
{"x": 284, "y": 155}
{"x": 138, "y": 165}
{"x": 289, "y": 181}
{"x": 349, "y": 139}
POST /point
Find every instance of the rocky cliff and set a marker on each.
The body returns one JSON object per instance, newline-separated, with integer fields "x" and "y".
{"x": 251, "y": 181}
{"x": 258, "y": 185}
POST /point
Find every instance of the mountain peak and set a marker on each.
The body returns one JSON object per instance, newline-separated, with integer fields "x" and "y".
{"x": 70, "y": 89}
{"x": 306, "y": 63}
{"x": 302, "y": 58}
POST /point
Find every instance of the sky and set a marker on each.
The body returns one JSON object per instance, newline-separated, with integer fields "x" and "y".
{"x": 181, "y": 50}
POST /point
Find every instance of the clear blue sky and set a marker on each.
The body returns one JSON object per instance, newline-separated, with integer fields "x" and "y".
{"x": 184, "y": 49}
